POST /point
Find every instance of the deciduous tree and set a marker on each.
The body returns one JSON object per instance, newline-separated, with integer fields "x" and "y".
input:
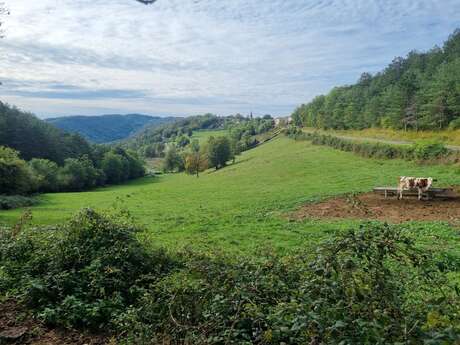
{"x": 219, "y": 151}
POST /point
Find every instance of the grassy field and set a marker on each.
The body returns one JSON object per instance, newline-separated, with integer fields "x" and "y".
{"x": 202, "y": 136}
{"x": 243, "y": 207}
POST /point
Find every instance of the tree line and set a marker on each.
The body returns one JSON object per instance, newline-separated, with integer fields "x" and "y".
{"x": 105, "y": 166}
{"x": 419, "y": 92}
{"x": 37, "y": 157}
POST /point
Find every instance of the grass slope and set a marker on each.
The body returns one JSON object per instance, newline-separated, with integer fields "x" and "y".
{"x": 241, "y": 208}
{"x": 203, "y": 135}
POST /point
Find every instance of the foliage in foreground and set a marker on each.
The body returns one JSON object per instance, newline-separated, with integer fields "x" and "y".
{"x": 367, "y": 286}
{"x": 81, "y": 274}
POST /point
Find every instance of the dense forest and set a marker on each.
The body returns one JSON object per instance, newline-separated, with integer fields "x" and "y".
{"x": 35, "y": 138}
{"x": 419, "y": 92}
{"x": 108, "y": 128}
{"x": 37, "y": 157}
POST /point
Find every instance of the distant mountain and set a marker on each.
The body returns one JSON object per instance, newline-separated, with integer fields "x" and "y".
{"x": 108, "y": 128}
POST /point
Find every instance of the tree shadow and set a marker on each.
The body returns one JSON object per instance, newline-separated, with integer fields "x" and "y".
{"x": 230, "y": 165}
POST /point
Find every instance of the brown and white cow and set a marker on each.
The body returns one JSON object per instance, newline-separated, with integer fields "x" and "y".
{"x": 422, "y": 184}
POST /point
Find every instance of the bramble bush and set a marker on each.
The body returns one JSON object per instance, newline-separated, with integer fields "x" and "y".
{"x": 83, "y": 273}
{"x": 371, "y": 285}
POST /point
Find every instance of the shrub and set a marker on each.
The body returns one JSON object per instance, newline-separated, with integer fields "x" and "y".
{"x": 371, "y": 285}
{"x": 429, "y": 150}
{"x": 83, "y": 275}
{"x": 15, "y": 175}
{"x": 367, "y": 286}
{"x": 454, "y": 124}
{"x": 8, "y": 202}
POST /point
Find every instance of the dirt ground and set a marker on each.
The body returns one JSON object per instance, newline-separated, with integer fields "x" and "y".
{"x": 372, "y": 206}
{"x": 17, "y": 327}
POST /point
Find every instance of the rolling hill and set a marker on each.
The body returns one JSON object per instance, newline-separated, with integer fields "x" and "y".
{"x": 108, "y": 128}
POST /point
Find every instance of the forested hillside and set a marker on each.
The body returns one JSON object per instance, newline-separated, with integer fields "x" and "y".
{"x": 38, "y": 157}
{"x": 34, "y": 138}
{"x": 108, "y": 128}
{"x": 421, "y": 91}
{"x": 153, "y": 140}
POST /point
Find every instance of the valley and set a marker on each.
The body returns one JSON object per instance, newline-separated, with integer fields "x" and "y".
{"x": 299, "y": 182}
{"x": 243, "y": 207}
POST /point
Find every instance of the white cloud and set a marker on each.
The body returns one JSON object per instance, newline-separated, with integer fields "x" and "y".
{"x": 190, "y": 56}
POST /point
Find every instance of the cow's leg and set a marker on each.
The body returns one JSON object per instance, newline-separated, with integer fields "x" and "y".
{"x": 420, "y": 191}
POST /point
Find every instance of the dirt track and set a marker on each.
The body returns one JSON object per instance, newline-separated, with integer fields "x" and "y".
{"x": 376, "y": 207}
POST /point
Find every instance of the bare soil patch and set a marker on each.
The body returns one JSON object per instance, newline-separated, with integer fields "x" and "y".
{"x": 17, "y": 326}
{"x": 372, "y": 206}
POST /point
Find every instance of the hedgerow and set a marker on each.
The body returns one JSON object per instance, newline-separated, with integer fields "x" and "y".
{"x": 422, "y": 152}
{"x": 369, "y": 285}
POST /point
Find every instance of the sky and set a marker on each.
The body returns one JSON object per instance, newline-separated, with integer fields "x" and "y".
{"x": 185, "y": 57}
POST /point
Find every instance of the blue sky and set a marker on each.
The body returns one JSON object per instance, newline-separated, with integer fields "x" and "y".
{"x": 183, "y": 57}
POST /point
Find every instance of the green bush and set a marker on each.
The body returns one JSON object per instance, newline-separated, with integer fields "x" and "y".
{"x": 454, "y": 124}
{"x": 83, "y": 274}
{"x": 8, "y": 202}
{"x": 429, "y": 150}
{"x": 368, "y": 286}
{"x": 371, "y": 285}
{"x": 16, "y": 177}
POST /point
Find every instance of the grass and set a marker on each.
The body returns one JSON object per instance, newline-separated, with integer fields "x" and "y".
{"x": 242, "y": 208}
{"x": 203, "y": 135}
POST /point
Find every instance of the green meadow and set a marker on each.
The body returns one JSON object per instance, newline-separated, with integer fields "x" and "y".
{"x": 243, "y": 208}
{"x": 203, "y": 135}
